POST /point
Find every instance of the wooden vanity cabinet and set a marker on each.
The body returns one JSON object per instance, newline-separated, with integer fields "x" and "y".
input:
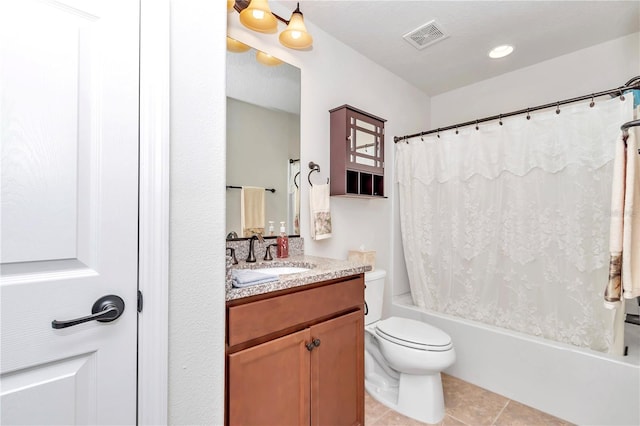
{"x": 297, "y": 358}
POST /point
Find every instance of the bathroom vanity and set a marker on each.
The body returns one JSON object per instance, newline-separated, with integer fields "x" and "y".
{"x": 295, "y": 355}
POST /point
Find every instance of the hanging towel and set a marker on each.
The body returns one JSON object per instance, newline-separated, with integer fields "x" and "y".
{"x": 252, "y": 210}
{"x": 248, "y": 277}
{"x": 296, "y": 219}
{"x": 631, "y": 231}
{"x": 293, "y": 215}
{"x": 319, "y": 207}
{"x": 624, "y": 264}
{"x": 613, "y": 291}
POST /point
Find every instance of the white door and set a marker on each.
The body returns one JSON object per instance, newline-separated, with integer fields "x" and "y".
{"x": 69, "y": 170}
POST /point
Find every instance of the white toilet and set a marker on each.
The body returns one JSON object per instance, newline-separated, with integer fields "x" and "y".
{"x": 404, "y": 358}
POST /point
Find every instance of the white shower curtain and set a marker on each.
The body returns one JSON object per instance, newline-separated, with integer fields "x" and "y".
{"x": 509, "y": 224}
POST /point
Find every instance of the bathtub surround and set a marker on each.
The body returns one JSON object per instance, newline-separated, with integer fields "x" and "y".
{"x": 487, "y": 239}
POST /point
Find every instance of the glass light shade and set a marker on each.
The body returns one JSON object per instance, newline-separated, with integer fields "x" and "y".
{"x": 230, "y": 4}
{"x": 258, "y": 17}
{"x": 266, "y": 59}
{"x": 236, "y": 46}
{"x": 295, "y": 36}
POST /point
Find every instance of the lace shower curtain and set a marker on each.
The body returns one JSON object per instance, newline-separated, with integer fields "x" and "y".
{"x": 509, "y": 224}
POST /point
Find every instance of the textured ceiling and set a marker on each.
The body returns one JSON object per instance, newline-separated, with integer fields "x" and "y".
{"x": 539, "y": 30}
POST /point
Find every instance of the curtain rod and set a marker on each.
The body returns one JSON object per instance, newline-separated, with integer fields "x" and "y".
{"x": 634, "y": 83}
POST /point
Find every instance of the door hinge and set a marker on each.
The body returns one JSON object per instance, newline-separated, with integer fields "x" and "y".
{"x": 139, "y": 301}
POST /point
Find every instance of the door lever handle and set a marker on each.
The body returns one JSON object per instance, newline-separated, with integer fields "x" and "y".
{"x": 106, "y": 309}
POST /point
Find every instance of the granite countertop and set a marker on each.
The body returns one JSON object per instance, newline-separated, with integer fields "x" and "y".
{"x": 322, "y": 269}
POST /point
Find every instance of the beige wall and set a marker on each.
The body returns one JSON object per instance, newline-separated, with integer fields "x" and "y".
{"x": 260, "y": 142}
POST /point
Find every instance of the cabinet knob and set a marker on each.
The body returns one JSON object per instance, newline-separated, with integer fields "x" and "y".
{"x": 313, "y": 344}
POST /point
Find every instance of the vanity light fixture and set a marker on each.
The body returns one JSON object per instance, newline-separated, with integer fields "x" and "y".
{"x": 501, "y": 51}
{"x": 266, "y": 59}
{"x": 296, "y": 35}
{"x": 257, "y": 16}
{"x": 230, "y": 4}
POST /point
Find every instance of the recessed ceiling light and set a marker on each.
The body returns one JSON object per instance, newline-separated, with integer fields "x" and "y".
{"x": 500, "y": 51}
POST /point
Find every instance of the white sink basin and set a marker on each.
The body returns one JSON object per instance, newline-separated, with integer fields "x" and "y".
{"x": 282, "y": 270}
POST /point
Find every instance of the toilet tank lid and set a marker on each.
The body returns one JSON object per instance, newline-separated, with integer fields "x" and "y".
{"x": 414, "y": 332}
{"x": 375, "y": 274}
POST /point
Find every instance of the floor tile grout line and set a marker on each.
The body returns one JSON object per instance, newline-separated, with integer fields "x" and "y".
{"x": 501, "y": 411}
{"x": 457, "y": 419}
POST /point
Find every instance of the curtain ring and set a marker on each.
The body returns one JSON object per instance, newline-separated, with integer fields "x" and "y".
{"x": 500, "y": 120}
{"x": 592, "y": 104}
{"x": 558, "y": 108}
{"x": 438, "y": 133}
{"x": 422, "y": 136}
{"x": 477, "y": 128}
{"x": 621, "y": 96}
{"x": 528, "y": 116}
{"x": 456, "y": 130}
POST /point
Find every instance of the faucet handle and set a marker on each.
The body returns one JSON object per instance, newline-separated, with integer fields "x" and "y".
{"x": 267, "y": 252}
{"x": 233, "y": 255}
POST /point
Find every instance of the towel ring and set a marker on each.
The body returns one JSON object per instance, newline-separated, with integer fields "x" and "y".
{"x": 314, "y": 168}
{"x": 294, "y": 180}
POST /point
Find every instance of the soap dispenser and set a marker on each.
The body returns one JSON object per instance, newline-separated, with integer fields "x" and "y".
{"x": 272, "y": 231}
{"x": 283, "y": 243}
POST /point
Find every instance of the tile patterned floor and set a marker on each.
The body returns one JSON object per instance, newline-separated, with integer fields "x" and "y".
{"x": 466, "y": 405}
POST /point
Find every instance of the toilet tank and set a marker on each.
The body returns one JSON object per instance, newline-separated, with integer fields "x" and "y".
{"x": 373, "y": 294}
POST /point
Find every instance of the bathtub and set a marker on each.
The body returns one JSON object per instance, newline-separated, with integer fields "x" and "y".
{"x": 578, "y": 385}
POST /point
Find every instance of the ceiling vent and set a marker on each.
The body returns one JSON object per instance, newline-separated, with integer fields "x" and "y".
{"x": 425, "y": 35}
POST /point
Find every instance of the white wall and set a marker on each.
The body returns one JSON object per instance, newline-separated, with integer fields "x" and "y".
{"x": 197, "y": 265}
{"x": 594, "y": 69}
{"x": 332, "y": 75}
{"x": 597, "y": 68}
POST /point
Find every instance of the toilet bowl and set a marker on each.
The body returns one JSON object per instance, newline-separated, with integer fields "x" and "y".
{"x": 404, "y": 358}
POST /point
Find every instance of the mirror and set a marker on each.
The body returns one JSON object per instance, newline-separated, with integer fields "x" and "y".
{"x": 263, "y": 140}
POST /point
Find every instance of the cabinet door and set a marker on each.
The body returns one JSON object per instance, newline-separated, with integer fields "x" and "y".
{"x": 337, "y": 371}
{"x": 366, "y": 143}
{"x": 270, "y": 382}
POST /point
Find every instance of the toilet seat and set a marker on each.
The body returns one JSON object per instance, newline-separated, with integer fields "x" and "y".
{"x": 413, "y": 334}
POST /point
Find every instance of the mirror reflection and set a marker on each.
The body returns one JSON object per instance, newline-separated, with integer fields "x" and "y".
{"x": 263, "y": 145}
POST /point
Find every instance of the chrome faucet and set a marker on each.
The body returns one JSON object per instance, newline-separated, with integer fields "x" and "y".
{"x": 252, "y": 257}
